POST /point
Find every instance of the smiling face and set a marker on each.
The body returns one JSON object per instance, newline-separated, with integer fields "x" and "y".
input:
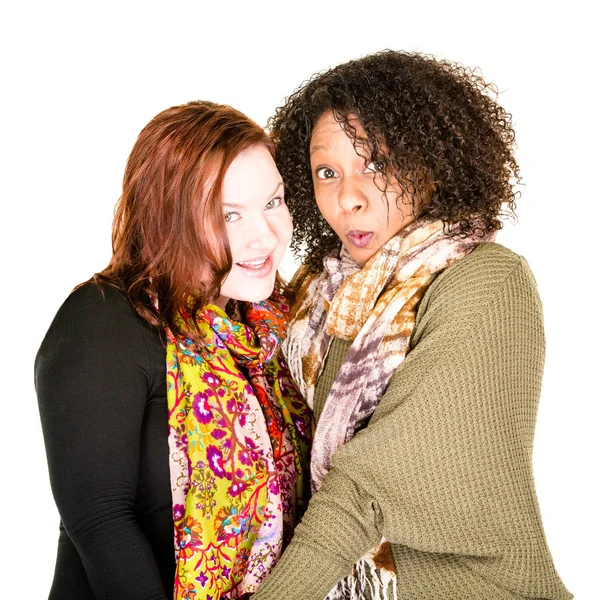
{"x": 258, "y": 225}
{"x": 349, "y": 193}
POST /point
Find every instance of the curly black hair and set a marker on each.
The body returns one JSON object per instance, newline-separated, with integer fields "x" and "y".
{"x": 432, "y": 125}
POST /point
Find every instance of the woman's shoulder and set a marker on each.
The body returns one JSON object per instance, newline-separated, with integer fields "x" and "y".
{"x": 491, "y": 272}
{"x": 97, "y": 316}
{"x": 97, "y": 305}
{"x": 96, "y": 296}
{"x": 488, "y": 265}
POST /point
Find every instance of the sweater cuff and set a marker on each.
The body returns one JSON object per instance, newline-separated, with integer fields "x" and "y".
{"x": 303, "y": 573}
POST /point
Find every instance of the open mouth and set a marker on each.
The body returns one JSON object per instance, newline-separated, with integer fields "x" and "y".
{"x": 253, "y": 264}
{"x": 360, "y": 239}
{"x": 259, "y": 267}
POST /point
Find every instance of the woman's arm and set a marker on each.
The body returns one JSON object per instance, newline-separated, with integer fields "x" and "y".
{"x": 92, "y": 377}
{"x": 443, "y": 470}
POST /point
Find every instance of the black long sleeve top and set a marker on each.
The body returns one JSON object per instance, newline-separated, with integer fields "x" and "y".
{"x": 101, "y": 386}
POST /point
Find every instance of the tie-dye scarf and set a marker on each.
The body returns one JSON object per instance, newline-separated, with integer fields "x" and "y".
{"x": 376, "y": 308}
{"x": 239, "y": 437}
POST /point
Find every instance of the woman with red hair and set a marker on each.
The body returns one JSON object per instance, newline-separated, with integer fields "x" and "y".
{"x": 176, "y": 441}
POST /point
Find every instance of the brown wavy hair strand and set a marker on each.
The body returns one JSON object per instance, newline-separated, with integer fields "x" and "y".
{"x": 169, "y": 241}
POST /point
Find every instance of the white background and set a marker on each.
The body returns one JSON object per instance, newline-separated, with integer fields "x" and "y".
{"x": 80, "y": 79}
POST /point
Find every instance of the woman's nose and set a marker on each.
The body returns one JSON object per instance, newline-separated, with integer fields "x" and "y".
{"x": 351, "y": 197}
{"x": 262, "y": 235}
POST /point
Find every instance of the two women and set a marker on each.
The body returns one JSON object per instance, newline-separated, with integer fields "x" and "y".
{"x": 416, "y": 340}
{"x": 172, "y": 428}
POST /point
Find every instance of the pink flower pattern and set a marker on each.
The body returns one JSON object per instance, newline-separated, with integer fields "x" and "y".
{"x": 239, "y": 440}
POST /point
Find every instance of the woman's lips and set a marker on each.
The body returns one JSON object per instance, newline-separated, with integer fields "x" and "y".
{"x": 257, "y": 267}
{"x": 360, "y": 238}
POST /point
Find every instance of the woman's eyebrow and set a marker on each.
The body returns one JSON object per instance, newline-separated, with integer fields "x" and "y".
{"x": 316, "y": 148}
{"x": 279, "y": 185}
{"x": 235, "y": 205}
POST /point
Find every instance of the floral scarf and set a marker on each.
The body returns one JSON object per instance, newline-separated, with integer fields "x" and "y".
{"x": 239, "y": 437}
{"x": 376, "y": 308}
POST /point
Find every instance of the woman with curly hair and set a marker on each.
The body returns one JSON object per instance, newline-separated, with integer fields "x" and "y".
{"x": 416, "y": 339}
{"x": 176, "y": 440}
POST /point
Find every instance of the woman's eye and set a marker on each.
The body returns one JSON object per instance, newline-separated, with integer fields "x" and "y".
{"x": 377, "y": 166}
{"x": 274, "y": 203}
{"x": 325, "y": 173}
{"x": 230, "y": 217}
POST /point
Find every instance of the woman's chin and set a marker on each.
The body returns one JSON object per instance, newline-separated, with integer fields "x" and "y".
{"x": 254, "y": 295}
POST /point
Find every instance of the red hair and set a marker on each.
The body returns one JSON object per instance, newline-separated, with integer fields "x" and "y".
{"x": 169, "y": 240}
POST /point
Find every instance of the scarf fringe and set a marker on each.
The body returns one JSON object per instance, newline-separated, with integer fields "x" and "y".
{"x": 365, "y": 575}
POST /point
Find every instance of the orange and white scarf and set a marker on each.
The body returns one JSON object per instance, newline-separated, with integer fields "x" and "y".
{"x": 375, "y": 307}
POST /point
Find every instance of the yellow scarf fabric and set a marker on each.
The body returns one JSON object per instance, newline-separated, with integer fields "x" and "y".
{"x": 239, "y": 439}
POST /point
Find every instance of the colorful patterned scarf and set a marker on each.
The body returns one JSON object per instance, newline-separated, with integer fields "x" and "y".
{"x": 376, "y": 308}
{"x": 239, "y": 439}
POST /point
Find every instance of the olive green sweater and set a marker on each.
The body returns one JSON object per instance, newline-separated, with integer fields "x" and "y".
{"x": 443, "y": 470}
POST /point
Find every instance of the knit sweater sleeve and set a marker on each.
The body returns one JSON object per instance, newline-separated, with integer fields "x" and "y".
{"x": 92, "y": 378}
{"x": 443, "y": 469}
